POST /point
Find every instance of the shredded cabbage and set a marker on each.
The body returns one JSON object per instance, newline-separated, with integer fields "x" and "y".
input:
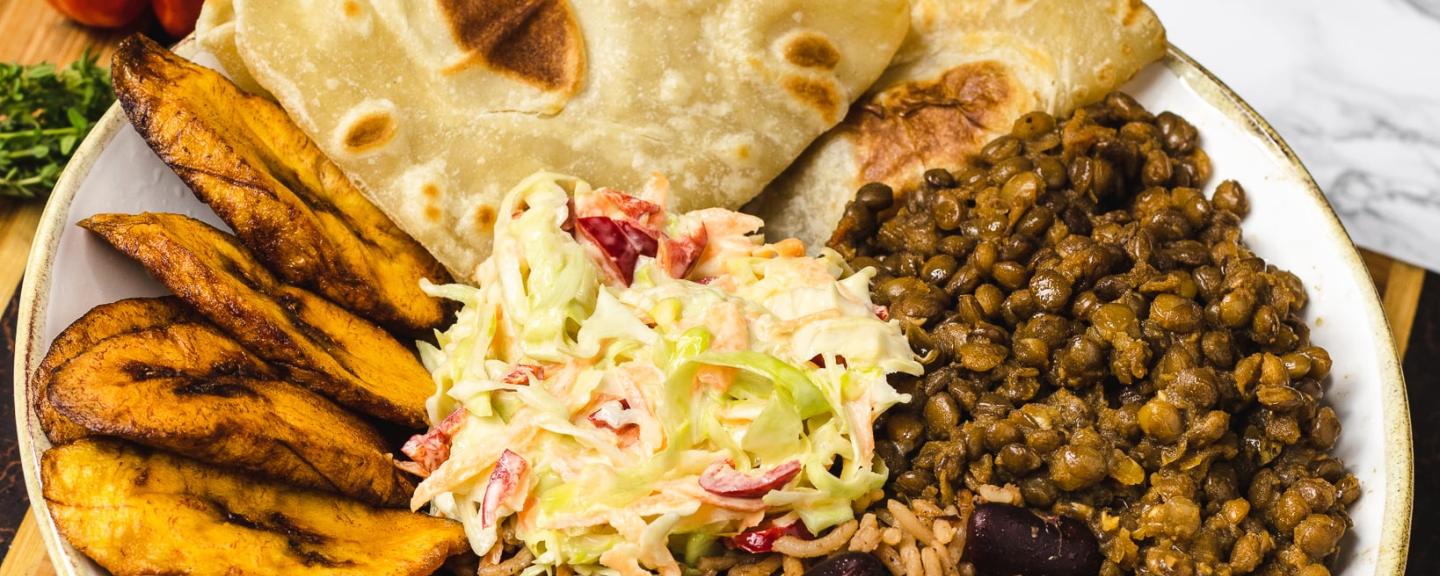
{"x": 757, "y": 357}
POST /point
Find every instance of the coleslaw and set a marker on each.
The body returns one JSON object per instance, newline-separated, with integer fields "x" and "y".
{"x": 628, "y": 389}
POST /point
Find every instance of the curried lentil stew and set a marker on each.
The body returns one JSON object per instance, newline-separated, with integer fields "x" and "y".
{"x": 1100, "y": 345}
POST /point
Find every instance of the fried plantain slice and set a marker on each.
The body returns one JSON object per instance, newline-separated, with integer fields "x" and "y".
{"x": 101, "y": 322}
{"x": 190, "y": 389}
{"x": 315, "y": 342}
{"x": 135, "y": 511}
{"x": 288, "y": 203}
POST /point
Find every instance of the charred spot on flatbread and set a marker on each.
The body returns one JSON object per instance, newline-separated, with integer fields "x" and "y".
{"x": 926, "y": 124}
{"x": 811, "y": 50}
{"x": 484, "y": 218}
{"x": 537, "y": 41}
{"x": 369, "y": 131}
{"x": 815, "y": 93}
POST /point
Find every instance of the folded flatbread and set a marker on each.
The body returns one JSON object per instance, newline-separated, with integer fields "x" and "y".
{"x": 967, "y": 71}
{"x": 436, "y": 107}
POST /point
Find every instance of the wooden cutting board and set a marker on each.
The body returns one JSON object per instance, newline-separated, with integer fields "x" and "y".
{"x": 30, "y": 31}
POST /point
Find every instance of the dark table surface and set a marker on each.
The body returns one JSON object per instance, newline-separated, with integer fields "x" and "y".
{"x": 1422, "y": 375}
{"x": 1422, "y": 381}
{"x": 13, "y": 499}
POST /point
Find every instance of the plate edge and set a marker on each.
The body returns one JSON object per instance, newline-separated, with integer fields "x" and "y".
{"x": 29, "y": 328}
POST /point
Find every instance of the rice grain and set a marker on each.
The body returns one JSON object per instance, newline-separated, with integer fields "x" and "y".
{"x": 867, "y": 537}
{"x": 944, "y": 532}
{"x": 906, "y": 520}
{"x": 832, "y": 542}
{"x": 891, "y": 559}
{"x": 510, "y": 567}
{"x": 931, "y": 562}
{"x": 910, "y": 558}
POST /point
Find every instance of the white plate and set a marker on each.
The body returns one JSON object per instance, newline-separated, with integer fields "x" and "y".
{"x": 1290, "y": 225}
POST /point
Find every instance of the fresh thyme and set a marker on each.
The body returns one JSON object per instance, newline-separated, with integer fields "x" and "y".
{"x": 45, "y": 113}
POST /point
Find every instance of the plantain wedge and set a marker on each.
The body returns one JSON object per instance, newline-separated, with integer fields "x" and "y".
{"x": 292, "y": 207}
{"x": 313, "y": 341}
{"x": 140, "y": 512}
{"x": 100, "y": 323}
{"x": 189, "y": 389}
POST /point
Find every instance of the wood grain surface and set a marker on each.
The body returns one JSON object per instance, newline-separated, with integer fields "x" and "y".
{"x": 30, "y": 31}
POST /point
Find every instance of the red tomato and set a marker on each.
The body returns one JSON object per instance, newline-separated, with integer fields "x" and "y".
{"x": 178, "y": 16}
{"x": 101, "y": 13}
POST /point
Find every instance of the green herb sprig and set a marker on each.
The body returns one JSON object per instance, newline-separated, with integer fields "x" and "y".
{"x": 45, "y": 113}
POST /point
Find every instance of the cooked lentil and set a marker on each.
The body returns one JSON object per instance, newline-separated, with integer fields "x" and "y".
{"x": 1100, "y": 341}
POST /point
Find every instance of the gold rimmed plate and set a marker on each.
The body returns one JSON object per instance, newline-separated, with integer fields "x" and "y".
{"x": 1291, "y": 225}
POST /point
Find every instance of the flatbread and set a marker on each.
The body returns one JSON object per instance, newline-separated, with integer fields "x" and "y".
{"x": 436, "y": 107}
{"x": 967, "y": 70}
{"x": 215, "y": 30}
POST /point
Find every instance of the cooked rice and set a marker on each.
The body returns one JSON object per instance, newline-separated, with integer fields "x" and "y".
{"x": 910, "y": 558}
{"x": 906, "y": 519}
{"x": 943, "y": 531}
{"x": 949, "y": 566}
{"x": 918, "y": 539}
{"x": 926, "y": 509}
{"x": 822, "y": 546}
{"x": 510, "y": 567}
{"x": 867, "y": 537}
{"x": 931, "y": 561}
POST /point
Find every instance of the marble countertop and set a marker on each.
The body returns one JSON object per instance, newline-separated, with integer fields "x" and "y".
{"x": 1354, "y": 87}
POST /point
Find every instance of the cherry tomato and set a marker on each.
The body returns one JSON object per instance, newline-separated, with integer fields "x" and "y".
{"x": 178, "y": 16}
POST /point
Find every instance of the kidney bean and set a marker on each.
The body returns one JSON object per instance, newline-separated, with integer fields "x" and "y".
{"x": 1013, "y": 541}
